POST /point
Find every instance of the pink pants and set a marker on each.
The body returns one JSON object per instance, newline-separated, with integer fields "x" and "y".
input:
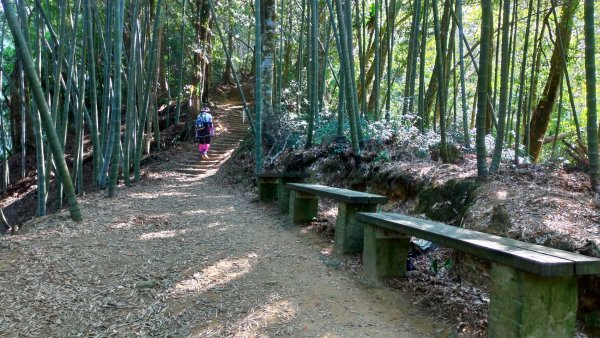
{"x": 203, "y": 148}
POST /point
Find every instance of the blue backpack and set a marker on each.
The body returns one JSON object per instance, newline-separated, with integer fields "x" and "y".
{"x": 203, "y": 124}
{"x": 203, "y": 120}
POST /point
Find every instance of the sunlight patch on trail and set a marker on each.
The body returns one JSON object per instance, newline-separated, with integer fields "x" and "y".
{"x": 274, "y": 311}
{"x": 142, "y": 221}
{"x": 220, "y": 273}
{"x": 161, "y": 234}
{"x": 162, "y": 193}
{"x": 214, "y": 211}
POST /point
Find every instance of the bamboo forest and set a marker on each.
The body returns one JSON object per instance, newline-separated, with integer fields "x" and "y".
{"x": 317, "y": 168}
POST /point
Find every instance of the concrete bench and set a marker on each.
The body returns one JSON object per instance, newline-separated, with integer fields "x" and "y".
{"x": 303, "y": 207}
{"x": 271, "y": 186}
{"x": 534, "y": 288}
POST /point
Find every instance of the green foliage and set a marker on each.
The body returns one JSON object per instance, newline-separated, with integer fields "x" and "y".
{"x": 446, "y": 266}
{"x": 452, "y": 151}
{"x": 383, "y": 156}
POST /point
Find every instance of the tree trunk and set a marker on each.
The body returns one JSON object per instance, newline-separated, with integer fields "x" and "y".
{"x": 542, "y": 112}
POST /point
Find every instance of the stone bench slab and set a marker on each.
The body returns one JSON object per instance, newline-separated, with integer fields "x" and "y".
{"x": 338, "y": 194}
{"x": 537, "y": 259}
{"x": 533, "y": 291}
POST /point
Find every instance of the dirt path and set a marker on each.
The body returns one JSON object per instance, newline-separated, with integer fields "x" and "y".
{"x": 182, "y": 255}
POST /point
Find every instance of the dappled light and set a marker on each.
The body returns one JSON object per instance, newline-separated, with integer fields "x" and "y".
{"x": 162, "y": 234}
{"x": 215, "y": 211}
{"x": 152, "y": 195}
{"x": 220, "y": 273}
{"x": 141, "y": 221}
{"x": 275, "y": 311}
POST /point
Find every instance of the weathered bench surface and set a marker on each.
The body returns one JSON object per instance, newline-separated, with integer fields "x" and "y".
{"x": 528, "y": 257}
{"x": 283, "y": 175}
{"x": 339, "y": 194}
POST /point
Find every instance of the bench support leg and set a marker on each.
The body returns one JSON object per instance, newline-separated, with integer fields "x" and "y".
{"x": 267, "y": 189}
{"x": 283, "y": 193}
{"x": 527, "y": 305}
{"x": 303, "y": 207}
{"x": 385, "y": 253}
{"x": 349, "y": 232}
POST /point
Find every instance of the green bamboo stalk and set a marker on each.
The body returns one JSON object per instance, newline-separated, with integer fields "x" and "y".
{"x": 482, "y": 86}
{"x": 558, "y": 118}
{"x": 107, "y": 91}
{"x": 230, "y": 61}
{"x": 390, "y": 10}
{"x": 347, "y": 13}
{"x": 349, "y": 92}
{"x": 132, "y": 77}
{"x": 496, "y": 52}
{"x": 79, "y": 132}
{"x": 377, "y": 61}
{"x": 361, "y": 53}
{"x": 279, "y": 87}
{"x": 116, "y": 102}
{"x": 150, "y": 75}
{"x": 258, "y": 144}
{"x": 512, "y": 48}
{"x": 3, "y": 137}
{"x": 421, "y": 98}
{"x": 442, "y": 86}
{"x": 463, "y": 90}
{"x": 38, "y": 95}
{"x": 340, "y": 138}
{"x": 180, "y": 64}
{"x": 89, "y": 33}
{"x": 37, "y": 129}
{"x": 532, "y": 82}
{"x": 504, "y": 74}
{"x": 300, "y": 60}
{"x": 314, "y": 66}
{"x": 411, "y": 62}
{"x": 590, "y": 77}
{"x": 522, "y": 83}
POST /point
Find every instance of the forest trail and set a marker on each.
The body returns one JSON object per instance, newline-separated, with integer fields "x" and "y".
{"x": 183, "y": 254}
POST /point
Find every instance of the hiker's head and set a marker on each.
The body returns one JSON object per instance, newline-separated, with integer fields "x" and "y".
{"x": 205, "y": 110}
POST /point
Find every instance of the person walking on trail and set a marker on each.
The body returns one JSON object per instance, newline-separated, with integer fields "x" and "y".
{"x": 204, "y": 131}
